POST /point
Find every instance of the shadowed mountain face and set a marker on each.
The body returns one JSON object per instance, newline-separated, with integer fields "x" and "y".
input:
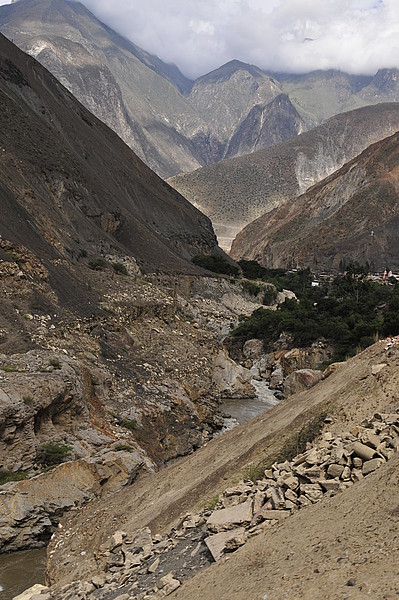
{"x": 69, "y": 185}
{"x": 239, "y": 190}
{"x": 352, "y": 215}
{"x": 266, "y": 126}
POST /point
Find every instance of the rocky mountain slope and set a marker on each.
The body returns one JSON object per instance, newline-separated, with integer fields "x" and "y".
{"x": 235, "y": 192}
{"x": 130, "y": 90}
{"x": 173, "y": 124}
{"x": 149, "y": 104}
{"x": 345, "y": 542}
{"x": 69, "y": 184}
{"x": 351, "y": 216}
{"x": 110, "y": 337}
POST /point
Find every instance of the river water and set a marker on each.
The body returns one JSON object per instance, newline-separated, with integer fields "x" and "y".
{"x": 242, "y": 410}
{"x": 21, "y": 570}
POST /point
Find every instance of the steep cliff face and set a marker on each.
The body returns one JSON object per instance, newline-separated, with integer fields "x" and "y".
{"x": 236, "y": 191}
{"x": 352, "y": 215}
{"x": 224, "y": 96}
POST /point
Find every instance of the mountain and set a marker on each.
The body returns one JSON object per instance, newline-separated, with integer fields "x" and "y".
{"x": 319, "y": 95}
{"x": 265, "y": 126}
{"x": 173, "y": 124}
{"x": 133, "y": 92}
{"x": 70, "y": 184}
{"x": 353, "y": 215}
{"x": 236, "y": 191}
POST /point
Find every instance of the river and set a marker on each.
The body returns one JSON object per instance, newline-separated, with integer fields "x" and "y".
{"x": 242, "y": 410}
{"x": 21, "y": 570}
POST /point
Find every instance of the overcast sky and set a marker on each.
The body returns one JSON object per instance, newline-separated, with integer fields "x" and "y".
{"x": 357, "y": 36}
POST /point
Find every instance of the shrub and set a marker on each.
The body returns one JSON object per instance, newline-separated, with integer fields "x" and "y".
{"x": 7, "y": 476}
{"x": 52, "y": 453}
{"x": 251, "y": 287}
{"x": 97, "y": 264}
{"x": 216, "y": 264}
{"x": 269, "y": 296}
{"x": 54, "y": 362}
{"x": 129, "y": 424}
{"x": 119, "y": 268}
{"x": 124, "y": 448}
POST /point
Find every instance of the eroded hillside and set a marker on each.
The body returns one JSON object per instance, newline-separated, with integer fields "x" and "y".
{"x": 351, "y": 216}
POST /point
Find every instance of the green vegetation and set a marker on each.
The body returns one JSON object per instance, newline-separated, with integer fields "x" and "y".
{"x": 254, "y": 472}
{"x": 297, "y": 281}
{"x": 124, "y": 448}
{"x": 211, "y": 504}
{"x": 251, "y": 287}
{"x": 9, "y": 368}
{"x": 129, "y": 424}
{"x": 217, "y": 264}
{"x": 349, "y": 312}
{"x": 119, "y": 268}
{"x": 17, "y": 259}
{"x": 7, "y": 476}
{"x": 52, "y": 453}
{"x": 98, "y": 264}
{"x": 54, "y": 362}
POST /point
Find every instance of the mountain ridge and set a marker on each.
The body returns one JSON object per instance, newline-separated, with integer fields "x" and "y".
{"x": 238, "y": 190}
{"x": 351, "y": 216}
{"x": 174, "y": 124}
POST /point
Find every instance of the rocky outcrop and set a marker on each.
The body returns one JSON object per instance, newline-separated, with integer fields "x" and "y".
{"x": 266, "y": 126}
{"x": 286, "y": 371}
{"x": 231, "y": 379}
{"x": 30, "y": 510}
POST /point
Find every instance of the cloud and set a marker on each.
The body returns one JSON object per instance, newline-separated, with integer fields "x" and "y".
{"x": 357, "y": 36}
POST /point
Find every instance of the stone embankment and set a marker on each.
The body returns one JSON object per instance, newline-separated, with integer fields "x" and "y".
{"x": 146, "y": 567}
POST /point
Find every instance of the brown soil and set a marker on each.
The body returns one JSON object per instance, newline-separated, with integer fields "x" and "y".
{"x": 356, "y": 525}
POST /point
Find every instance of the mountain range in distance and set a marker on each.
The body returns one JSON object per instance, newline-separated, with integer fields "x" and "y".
{"x": 351, "y": 216}
{"x": 176, "y": 125}
{"x": 237, "y": 191}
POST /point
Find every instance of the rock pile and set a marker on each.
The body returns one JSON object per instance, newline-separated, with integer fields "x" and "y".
{"x": 147, "y": 567}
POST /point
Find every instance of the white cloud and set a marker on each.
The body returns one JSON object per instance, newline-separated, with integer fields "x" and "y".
{"x": 358, "y": 36}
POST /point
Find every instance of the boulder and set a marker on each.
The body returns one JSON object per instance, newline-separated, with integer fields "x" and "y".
{"x": 253, "y": 349}
{"x": 216, "y": 544}
{"x": 231, "y": 379}
{"x": 227, "y": 518}
{"x": 300, "y": 380}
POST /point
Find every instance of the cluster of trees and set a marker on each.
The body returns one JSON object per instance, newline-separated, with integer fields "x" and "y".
{"x": 350, "y": 311}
